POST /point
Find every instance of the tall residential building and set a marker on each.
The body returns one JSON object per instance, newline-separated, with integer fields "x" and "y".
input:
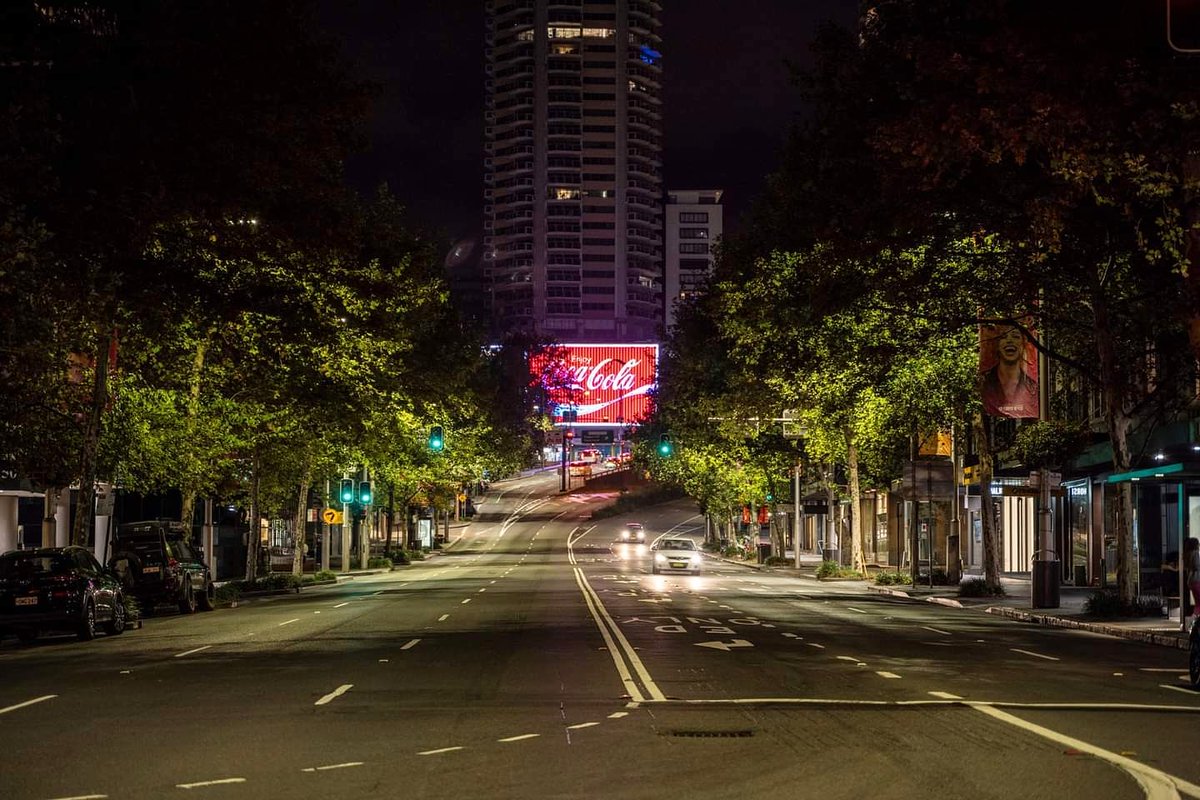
{"x": 573, "y": 186}
{"x": 694, "y": 223}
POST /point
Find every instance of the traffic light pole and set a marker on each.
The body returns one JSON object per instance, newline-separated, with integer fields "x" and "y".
{"x": 566, "y": 449}
{"x": 347, "y": 521}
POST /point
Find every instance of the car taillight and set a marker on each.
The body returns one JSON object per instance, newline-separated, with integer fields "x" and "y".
{"x": 172, "y": 564}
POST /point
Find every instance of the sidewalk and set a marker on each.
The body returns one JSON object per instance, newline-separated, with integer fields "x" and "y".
{"x": 1016, "y": 604}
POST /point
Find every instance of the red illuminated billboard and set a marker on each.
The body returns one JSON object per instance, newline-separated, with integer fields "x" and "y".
{"x": 602, "y": 384}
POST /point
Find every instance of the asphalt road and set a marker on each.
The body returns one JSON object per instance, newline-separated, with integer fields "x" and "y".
{"x": 535, "y": 660}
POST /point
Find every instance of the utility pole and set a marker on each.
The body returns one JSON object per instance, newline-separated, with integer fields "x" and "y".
{"x": 347, "y": 521}
{"x": 797, "y": 512}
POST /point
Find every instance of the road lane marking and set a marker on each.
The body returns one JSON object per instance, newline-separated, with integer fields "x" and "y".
{"x": 1161, "y": 669}
{"x": 189, "y": 652}
{"x": 617, "y": 644}
{"x": 856, "y": 610}
{"x": 519, "y": 738}
{"x": 1156, "y": 784}
{"x": 579, "y": 725}
{"x": 889, "y": 675}
{"x": 1035, "y": 655}
{"x": 200, "y": 784}
{"x": 339, "y": 605}
{"x": 409, "y": 643}
{"x": 464, "y": 602}
{"x": 28, "y": 703}
{"x": 484, "y": 589}
{"x": 850, "y": 658}
{"x": 443, "y": 617}
{"x": 946, "y": 695}
{"x": 1191, "y": 692}
{"x": 338, "y": 692}
{"x": 618, "y": 714}
{"x": 333, "y": 766}
{"x": 436, "y": 752}
{"x": 289, "y": 622}
{"x": 814, "y": 644}
{"x": 936, "y": 630}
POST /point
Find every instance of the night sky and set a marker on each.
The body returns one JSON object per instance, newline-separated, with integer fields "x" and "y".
{"x": 727, "y": 96}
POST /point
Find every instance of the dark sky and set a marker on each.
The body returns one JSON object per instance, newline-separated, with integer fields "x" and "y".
{"x": 727, "y": 95}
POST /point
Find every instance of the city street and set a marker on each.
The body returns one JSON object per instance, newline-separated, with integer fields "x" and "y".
{"x": 534, "y": 659}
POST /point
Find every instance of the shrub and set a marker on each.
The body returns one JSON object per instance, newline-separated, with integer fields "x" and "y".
{"x": 229, "y": 593}
{"x": 887, "y": 578}
{"x": 978, "y": 587}
{"x": 398, "y": 556}
{"x": 378, "y": 562}
{"x": 133, "y": 612}
{"x": 778, "y": 561}
{"x": 417, "y": 555}
{"x": 325, "y": 575}
{"x": 732, "y": 551}
{"x": 1107, "y": 603}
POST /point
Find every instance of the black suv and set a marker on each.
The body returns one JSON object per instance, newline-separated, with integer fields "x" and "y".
{"x": 58, "y": 588}
{"x": 156, "y": 564}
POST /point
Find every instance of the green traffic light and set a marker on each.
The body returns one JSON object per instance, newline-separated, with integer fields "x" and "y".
{"x": 347, "y": 494}
{"x": 364, "y": 493}
{"x": 664, "y": 445}
{"x": 437, "y": 439}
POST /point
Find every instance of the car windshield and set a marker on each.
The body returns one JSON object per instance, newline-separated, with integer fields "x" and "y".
{"x": 678, "y": 544}
{"x": 27, "y": 565}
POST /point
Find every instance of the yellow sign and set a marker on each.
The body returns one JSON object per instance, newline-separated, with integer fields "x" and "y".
{"x": 332, "y": 516}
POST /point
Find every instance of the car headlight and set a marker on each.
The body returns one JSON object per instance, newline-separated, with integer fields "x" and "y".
{"x": 660, "y": 558}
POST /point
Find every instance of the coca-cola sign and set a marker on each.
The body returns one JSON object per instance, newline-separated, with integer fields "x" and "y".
{"x": 597, "y": 384}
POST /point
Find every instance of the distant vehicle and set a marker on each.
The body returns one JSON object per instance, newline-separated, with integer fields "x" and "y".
{"x": 156, "y": 564}
{"x": 632, "y": 532}
{"x": 675, "y": 555}
{"x": 590, "y": 456}
{"x": 58, "y": 588}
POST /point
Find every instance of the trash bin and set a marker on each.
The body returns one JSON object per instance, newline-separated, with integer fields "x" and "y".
{"x": 1045, "y": 584}
{"x": 829, "y": 554}
{"x": 1081, "y": 575}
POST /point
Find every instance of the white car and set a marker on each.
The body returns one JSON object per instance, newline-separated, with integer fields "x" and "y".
{"x": 675, "y": 555}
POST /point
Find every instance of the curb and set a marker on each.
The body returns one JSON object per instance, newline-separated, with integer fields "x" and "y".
{"x": 941, "y": 601}
{"x": 1148, "y": 637}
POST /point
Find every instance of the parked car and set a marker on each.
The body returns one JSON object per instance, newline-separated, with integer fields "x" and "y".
{"x": 58, "y": 588}
{"x": 156, "y": 565}
{"x": 675, "y": 555}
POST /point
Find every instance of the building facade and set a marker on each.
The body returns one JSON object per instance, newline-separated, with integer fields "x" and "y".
{"x": 572, "y": 169}
{"x": 693, "y": 224}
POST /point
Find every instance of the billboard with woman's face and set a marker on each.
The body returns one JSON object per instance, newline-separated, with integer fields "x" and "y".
{"x": 1008, "y": 366}
{"x": 597, "y": 384}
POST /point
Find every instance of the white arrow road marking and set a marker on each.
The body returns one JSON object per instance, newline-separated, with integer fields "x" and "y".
{"x": 336, "y": 693}
{"x": 726, "y": 646}
{"x": 200, "y": 784}
{"x": 7, "y": 709}
{"x": 1031, "y": 653}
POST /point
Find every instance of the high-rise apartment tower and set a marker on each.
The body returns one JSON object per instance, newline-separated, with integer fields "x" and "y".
{"x": 573, "y": 165}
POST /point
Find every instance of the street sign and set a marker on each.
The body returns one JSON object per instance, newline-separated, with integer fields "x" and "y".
{"x": 598, "y": 437}
{"x": 816, "y": 507}
{"x": 331, "y": 516}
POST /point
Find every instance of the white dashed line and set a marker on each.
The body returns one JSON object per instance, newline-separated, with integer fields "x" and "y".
{"x": 889, "y": 675}
{"x": 582, "y": 725}
{"x": 482, "y": 590}
{"x": 935, "y": 630}
{"x": 410, "y": 643}
{"x": 436, "y": 752}
{"x": 338, "y": 692}
{"x": 184, "y": 653}
{"x": 1192, "y": 692}
{"x": 339, "y": 605}
{"x": 464, "y": 602}
{"x": 289, "y": 622}
{"x": 1031, "y": 653}
{"x": 333, "y": 766}
{"x": 1161, "y": 669}
{"x": 83, "y": 797}
{"x": 519, "y": 738}
{"x": 850, "y": 658}
{"x": 813, "y": 644}
{"x": 28, "y": 703}
{"x": 856, "y": 610}
{"x": 200, "y": 784}
{"x": 618, "y": 714}
{"x": 443, "y": 617}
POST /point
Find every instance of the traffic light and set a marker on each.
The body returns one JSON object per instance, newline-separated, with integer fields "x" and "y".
{"x": 665, "y": 446}
{"x": 437, "y": 439}
{"x": 364, "y": 492}
{"x": 347, "y": 495}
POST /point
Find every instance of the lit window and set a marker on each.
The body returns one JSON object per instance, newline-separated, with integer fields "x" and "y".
{"x": 554, "y": 32}
{"x": 563, "y": 193}
{"x": 598, "y": 33}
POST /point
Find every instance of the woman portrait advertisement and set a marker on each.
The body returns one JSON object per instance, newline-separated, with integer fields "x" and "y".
{"x": 1009, "y": 366}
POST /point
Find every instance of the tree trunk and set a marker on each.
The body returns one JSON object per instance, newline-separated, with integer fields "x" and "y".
{"x": 858, "y": 560}
{"x": 298, "y": 532}
{"x": 832, "y": 532}
{"x": 991, "y": 539}
{"x": 1113, "y": 384}
{"x": 86, "y": 506}
{"x": 188, "y": 493}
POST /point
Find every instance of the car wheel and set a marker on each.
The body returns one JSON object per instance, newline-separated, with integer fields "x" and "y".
{"x": 27, "y": 635}
{"x": 187, "y": 601}
{"x": 87, "y": 625}
{"x": 206, "y": 599}
{"x": 116, "y": 626}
